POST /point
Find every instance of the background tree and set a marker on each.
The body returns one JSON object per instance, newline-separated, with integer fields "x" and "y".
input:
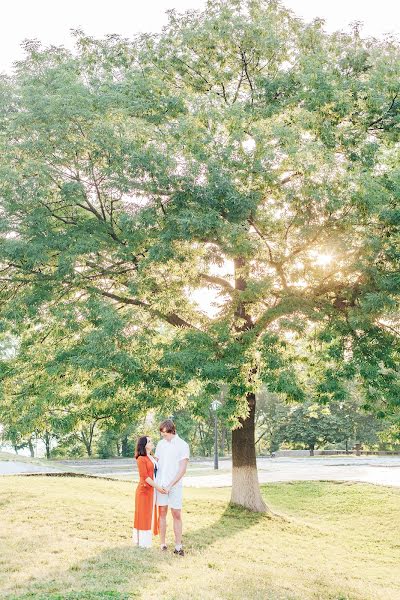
{"x": 390, "y": 435}
{"x": 272, "y": 414}
{"x": 10, "y": 434}
{"x": 313, "y": 425}
{"x": 240, "y": 149}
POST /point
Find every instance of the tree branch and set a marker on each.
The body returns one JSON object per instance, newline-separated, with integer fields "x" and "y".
{"x": 218, "y": 281}
{"x": 275, "y": 264}
{"x": 238, "y": 86}
{"x": 253, "y": 224}
{"x": 388, "y": 327}
{"x": 245, "y": 65}
{"x": 171, "y": 318}
{"x": 380, "y": 119}
{"x": 289, "y": 178}
{"x": 261, "y": 436}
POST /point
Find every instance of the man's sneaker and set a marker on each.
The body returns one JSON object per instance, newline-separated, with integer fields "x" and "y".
{"x": 179, "y": 552}
{"x": 164, "y": 547}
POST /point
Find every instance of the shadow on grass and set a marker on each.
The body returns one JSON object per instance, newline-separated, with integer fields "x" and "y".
{"x": 122, "y": 573}
{"x": 233, "y": 520}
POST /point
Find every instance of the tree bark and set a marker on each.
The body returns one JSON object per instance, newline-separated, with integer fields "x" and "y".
{"x": 311, "y": 449}
{"x": 202, "y": 443}
{"x": 245, "y": 486}
{"x": 48, "y": 446}
{"x": 31, "y": 448}
{"x": 87, "y": 441}
{"x": 125, "y": 447}
{"x": 223, "y": 437}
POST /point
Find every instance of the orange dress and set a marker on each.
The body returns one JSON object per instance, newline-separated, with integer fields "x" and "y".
{"x": 146, "y": 512}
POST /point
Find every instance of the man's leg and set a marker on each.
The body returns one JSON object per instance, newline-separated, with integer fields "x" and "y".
{"x": 177, "y": 520}
{"x": 163, "y": 523}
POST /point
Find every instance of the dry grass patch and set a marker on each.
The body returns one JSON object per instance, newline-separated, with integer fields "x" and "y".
{"x": 70, "y": 539}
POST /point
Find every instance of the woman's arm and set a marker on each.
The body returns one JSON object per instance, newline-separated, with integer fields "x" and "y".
{"x": 144, "y": 473}
{"x": 153, "y": 484}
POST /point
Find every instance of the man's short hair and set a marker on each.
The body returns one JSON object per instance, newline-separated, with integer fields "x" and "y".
{"x": 168, "y": 426}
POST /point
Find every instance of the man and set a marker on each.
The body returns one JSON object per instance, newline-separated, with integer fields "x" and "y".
{"x": 173, "y": 457}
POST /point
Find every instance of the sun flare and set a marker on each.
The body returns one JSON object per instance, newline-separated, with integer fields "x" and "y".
{"x": 323, "y": 260}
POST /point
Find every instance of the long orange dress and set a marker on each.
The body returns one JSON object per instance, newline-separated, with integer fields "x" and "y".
{"x": 146, "y": 512}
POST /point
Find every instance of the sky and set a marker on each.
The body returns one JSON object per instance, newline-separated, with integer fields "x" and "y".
{"x": 50, "y": 21}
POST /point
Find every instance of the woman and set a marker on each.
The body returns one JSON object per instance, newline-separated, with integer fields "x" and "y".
{"x": 146, "y": 512}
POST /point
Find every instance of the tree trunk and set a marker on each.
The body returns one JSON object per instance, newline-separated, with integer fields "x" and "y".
{"x": 87, "y": 440}
{"x": 245, "y": 486}
{"x": 311, "y": 449}
{"x": 125, "y": 447}
{"x": 202, "y": 444}
{"x": 227, "y": 438}
{"x": 47, "y": 443}
{"x": 223, "y": 437}
{"x": 88, "y": 445}
{"x": 31, "y": 448}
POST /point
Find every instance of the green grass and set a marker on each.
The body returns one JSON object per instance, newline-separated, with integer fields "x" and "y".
{"x": 67, "y": 538}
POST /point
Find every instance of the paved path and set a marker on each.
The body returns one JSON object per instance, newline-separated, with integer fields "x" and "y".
{"x": 382, "y": 470}
{"x": 15, "y": 467}
{"x": 377, "y": 470}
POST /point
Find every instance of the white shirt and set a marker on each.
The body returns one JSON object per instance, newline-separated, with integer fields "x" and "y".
{"x": 152, "y": 460}
{"x": 169, "y": 455}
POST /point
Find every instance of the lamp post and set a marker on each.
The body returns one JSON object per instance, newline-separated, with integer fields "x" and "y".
{"x": 215, "y": 405}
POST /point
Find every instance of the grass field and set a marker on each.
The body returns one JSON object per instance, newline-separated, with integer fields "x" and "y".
{"x": 70, "y": 538}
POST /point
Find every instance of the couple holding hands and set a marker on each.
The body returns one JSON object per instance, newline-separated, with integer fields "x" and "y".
{"x": 160, "y": 487}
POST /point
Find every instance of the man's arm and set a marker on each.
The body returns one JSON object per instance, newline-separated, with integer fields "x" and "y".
{"x": 182, "y": 470}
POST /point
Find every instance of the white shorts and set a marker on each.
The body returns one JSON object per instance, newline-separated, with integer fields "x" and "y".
{"x": 173, "y": 499}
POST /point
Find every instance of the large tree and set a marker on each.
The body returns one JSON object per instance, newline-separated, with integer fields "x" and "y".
{"x": 240, "y": 149}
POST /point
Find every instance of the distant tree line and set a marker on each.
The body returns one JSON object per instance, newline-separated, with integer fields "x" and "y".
{"x": 307, "y": 425}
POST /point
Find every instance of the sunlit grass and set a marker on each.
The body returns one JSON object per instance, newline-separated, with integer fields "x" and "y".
{"x": 70, "y": 538}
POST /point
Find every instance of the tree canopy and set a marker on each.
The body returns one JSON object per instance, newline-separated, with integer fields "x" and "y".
{"x": 240, "y": 150}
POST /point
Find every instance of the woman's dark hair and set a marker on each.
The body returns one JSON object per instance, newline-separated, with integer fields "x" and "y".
{"x": 141, "y": 446}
